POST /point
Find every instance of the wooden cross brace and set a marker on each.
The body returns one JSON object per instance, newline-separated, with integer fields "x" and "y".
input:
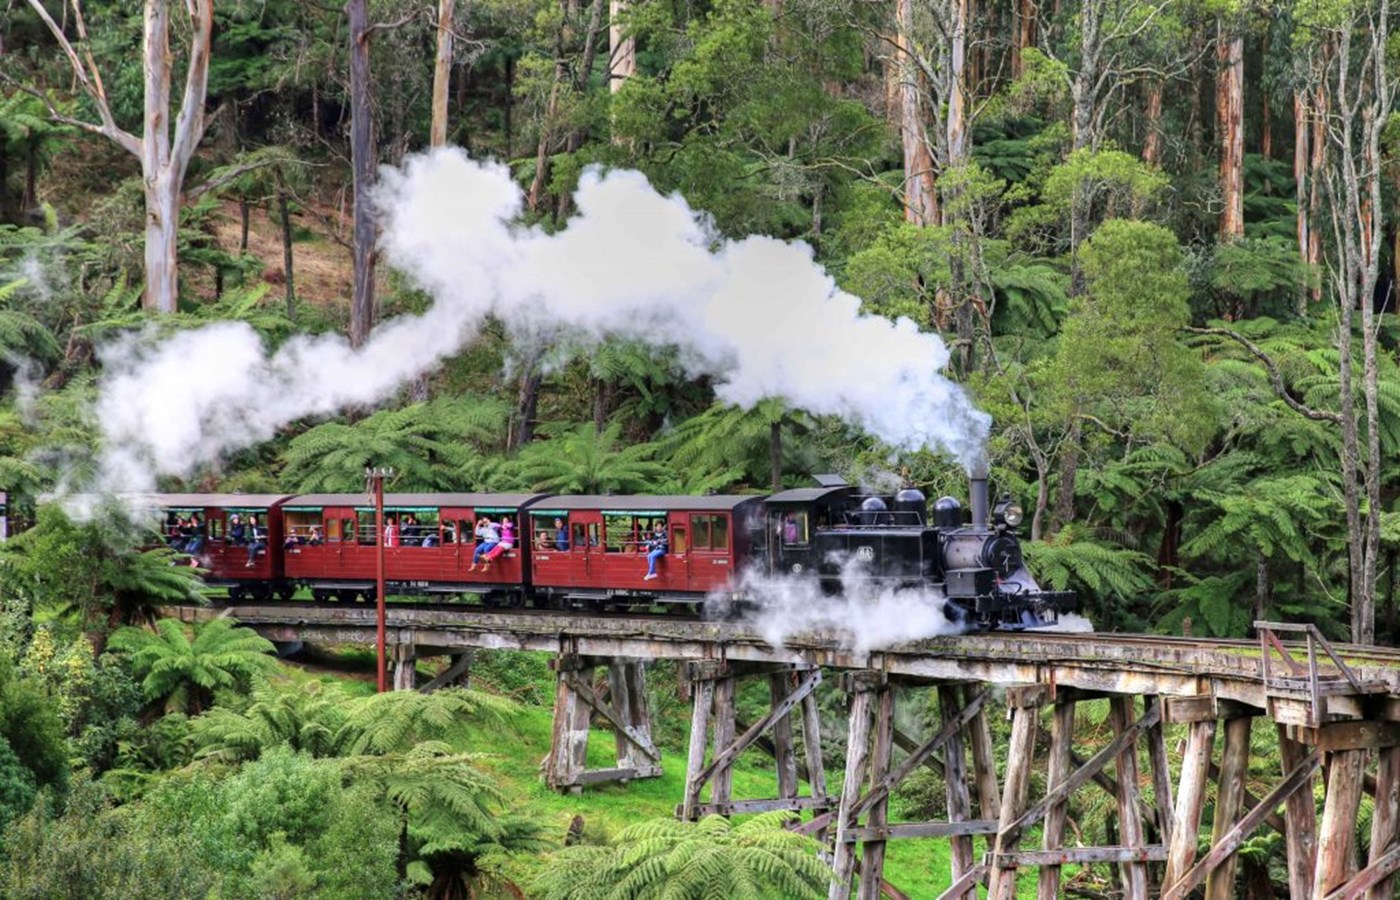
{"x": 728, "y": 755}
{"x": 1083, "y": 774}
{"x": 1229, "y": 842}
{"x": 581, "y": 687}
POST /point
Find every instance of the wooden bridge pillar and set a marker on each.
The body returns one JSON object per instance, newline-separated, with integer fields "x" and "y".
{"x": 713, "y": 686}
{"x": 404, "y": 659}
{"x": 1023, "y": 703}
{"x": 870, "y": 777}
{"x": 625, "y": 709}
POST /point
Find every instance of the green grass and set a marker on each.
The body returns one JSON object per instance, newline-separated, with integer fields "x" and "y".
{"x": 918, "y": 867}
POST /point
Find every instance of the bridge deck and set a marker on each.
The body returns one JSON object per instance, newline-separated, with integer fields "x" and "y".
{"x": 1122, "y": 664}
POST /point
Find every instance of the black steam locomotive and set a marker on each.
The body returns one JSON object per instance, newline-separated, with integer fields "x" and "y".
{"x": 895, "y": 541}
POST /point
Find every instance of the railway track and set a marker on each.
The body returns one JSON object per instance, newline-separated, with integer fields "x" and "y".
{"x": 1154, "y": 646}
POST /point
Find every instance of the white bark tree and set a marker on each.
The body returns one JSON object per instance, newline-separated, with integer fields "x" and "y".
{"x": 1355, "y": 75}
{"x": 164, "y": 156}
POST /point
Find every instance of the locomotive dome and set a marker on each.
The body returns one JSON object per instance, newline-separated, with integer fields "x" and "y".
{"x": 873, "y": 504}
{"x": 912, "y": 500}
{"x": 947, "y": 512}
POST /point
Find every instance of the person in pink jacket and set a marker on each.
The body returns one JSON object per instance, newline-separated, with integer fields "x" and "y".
{"x": 507, "y": 542}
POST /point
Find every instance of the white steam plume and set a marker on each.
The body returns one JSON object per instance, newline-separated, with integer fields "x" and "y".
{"x": 759, "y": 315}
{"x": 865, "y": 616}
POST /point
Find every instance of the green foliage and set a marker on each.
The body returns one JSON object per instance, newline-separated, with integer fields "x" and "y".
{"x": 305, "y": 718}
{"x": 710, "y": 858}
{"x": 31, "y": 726}
{"x": 1073, "y": 561}
{"x": 94, "y": 573}
{"x": 580, "y": 460}
{"x": 18, "y": 789}
{"x": 94, "y": 850}
{"x": 430, "y": 446}
{"x": 182, "y": 674}
{"x": 398, "y": 720}
{"x": 1121, "y": 355}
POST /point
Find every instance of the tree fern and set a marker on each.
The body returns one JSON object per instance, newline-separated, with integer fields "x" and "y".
{"x": 397, "y": 720}
{"x": 691, "y": 861}
{"x": 182, "y": 673}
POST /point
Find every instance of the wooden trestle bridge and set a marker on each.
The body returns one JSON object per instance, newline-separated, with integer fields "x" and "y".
{"x": 1336, "y": 712}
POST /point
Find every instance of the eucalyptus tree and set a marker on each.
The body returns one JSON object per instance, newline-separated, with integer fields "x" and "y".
{"x": 1350, "y": 45}
{"x": 164, "y": 154}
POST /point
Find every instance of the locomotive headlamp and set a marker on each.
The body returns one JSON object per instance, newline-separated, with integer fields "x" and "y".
{"x": 1008, "y": 513}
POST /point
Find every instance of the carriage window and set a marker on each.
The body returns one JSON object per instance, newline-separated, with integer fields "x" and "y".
{"x": 216, "y": 529}
{"x": 299, "y": 525}
{"x": 702, "y": 531}
{"x": 678, "y": 542}
{"x": 619, "y": 534}
{"x": 362, "y": 527}
{"x": 711, "y": 532}
{"x": 719, "y": 533}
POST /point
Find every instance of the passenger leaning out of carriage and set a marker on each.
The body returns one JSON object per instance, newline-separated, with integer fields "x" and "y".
{"x": 194, "y": 544}
{"x": 507, "y": 542}
{"x": 561, "y": 535}
{"x": 257, "y": 540}
{"x": 656, "y": 546}
{"x": 487, "y": 537}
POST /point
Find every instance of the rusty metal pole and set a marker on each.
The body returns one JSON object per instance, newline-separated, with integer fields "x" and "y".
{"x": 376, "y": 477}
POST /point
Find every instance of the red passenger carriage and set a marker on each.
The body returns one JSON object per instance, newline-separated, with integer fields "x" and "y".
{"x": 429, "y": 549}
{"x": 605, "y": 558}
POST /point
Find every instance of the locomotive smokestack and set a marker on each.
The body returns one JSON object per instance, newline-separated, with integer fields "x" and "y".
{"x": 977, "y": 495}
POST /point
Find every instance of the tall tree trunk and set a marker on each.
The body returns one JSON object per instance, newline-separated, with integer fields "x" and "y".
{"x": 1024, "y": 35}
{"x": 5, "y": 182}
{"x": 245, "y": 214}
{"x": 775, "y": 455}
{"x": 589, "y": 56}
{"x": 1365, "y": 100}
{"x": 1069, "y": 471}
{"x": 285, "y": 208}
{"x": 1302, "y": 170}
{"x": 31, "y": 177}
{"x": 1321, "y": 109}
{"x": 162, "y": 231}
{"x": 442, "y": 73}
{"x": 1152, "y": 144}
{"x": 527, "y": 403}
{"x": 1266, "y": 112}
{"x": 362, "y": 153}
{"x": 920, "y": 190}
{"x": 1229, "y": 118}
{"x": 1262, "y": 587}
{"x": 622, "y": 50}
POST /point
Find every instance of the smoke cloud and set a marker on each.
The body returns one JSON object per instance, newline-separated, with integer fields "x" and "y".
{"x": 865, "y": 615}
{"x": 758, "y": 315}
